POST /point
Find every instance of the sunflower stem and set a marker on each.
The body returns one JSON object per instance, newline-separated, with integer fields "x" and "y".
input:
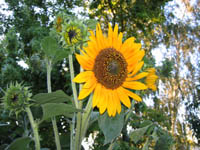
{"x": 34, "y": 127}
{"x": 86, "y": 117}
{"x": 72, "y": 126}
{"x": 78, "y": 135}
{"x": 77, "y": 144}
{"x": 71, "y": 67}
{"x": 111, "y": 146}
{"x": 74, "y": 91}
{"x": 53, "y": 119}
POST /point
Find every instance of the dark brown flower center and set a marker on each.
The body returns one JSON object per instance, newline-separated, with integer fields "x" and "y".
{"x": 110, "y": 68}
{"x": 14, "y": 98}
{"x": 71, "y": 34}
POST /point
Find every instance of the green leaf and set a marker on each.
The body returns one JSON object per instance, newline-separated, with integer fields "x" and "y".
{"x": 91, "y": 24}
{"x": 111, "y": 126}
{"x": 164, "y": 142}
{"x": 61, "y": 54}
{"x": 20, "y": 143}
{"x": 53, "y": 50}
{"x": 154, "y": 135}
{"x": 145, "y": 123}
{"x": 55, "y": 109}
{"x": 55, "y": 97}
{"x": 93, "y": 117}
{"x": 49, "y": 46}
{"x": 137, "y": 134}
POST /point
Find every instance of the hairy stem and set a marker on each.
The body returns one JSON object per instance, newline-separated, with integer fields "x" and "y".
{"x": 71, "y": 67}
{"x": 53, "y": 119}
{"x": 34, "y": 127}
{"x": 86, "y": 116}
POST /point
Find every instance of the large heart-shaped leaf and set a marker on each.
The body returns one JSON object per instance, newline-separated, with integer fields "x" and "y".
{"x": 137, "y": 134}
{"x": 49, "y": 46}
{"x": 54, "y": 97}
{"x": 56, "y": 109}
{"x": 111, "y": 126}
{"x": 53, "y": 50}
{"x": 165, "y": 142}
{"x": 20, "y": 143}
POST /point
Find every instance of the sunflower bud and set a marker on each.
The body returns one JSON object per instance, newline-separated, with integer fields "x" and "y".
{"x": 58, "y": 24}
{"x": 151, "y": 79}
{"x": 16, "y": 98}
{"x": 72, "y": 33}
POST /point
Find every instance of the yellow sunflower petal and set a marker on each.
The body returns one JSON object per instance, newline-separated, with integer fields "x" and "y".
{"x": 123, "y": 97}
{"x": 117, "y": 100}
{"x": 99, "y": 37}
{"x": 110, "y": 104}
{"x": 114, "y": 103}
{"x": 140, "y": 76}
{"x": 103, "y": 104}
{"x": 118, "y": 42}
{"x": 110, "y": 35}
{"x": 126, "y": 44}
{"x": 137, "y": 68}
{"x": 86, "y": 91}
{"x": 83, "y": 77}
{"x": 132, "y": 50}
{"x": 92, "y": 36}
{"x": 135, "y": 58}
{"x": 133, "y": 95}
{"x": 153, "y": 87}
{"x": 133, "y": 62}
{"x": 84, "y": 62}
{"x": 92, "y": 48}
{"x": 90, "y": 82}
{"x": 135, "y": 85}
{"x": 115, "y": 33}
{"x": 97, "y": 95}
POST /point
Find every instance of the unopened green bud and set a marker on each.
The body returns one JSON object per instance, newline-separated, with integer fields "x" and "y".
{"x": 16, "y": 98}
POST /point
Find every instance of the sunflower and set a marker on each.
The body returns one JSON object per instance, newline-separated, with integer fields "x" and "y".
{"x": 151, "y": 79}
{"x": 72, "y": 34}
{"x": 111, "y": 69}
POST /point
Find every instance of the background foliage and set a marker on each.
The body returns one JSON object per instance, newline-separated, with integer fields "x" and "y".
{"x": 169, "y": 118}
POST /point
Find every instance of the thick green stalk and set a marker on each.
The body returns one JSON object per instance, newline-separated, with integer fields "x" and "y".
{"x": 86, "y": 117}
{"x": 53, "y": 119}
{"x": 74, "y": 140}
{"x": 34, "y": 127}
{"x": 71, "y": 67}
{"x": 78, "y": 135}
{"x": 77, "y": 143}
{"x": 49, "y": 76}
{"x": 72, "y": 126}
{"x": 111, "y": 146}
